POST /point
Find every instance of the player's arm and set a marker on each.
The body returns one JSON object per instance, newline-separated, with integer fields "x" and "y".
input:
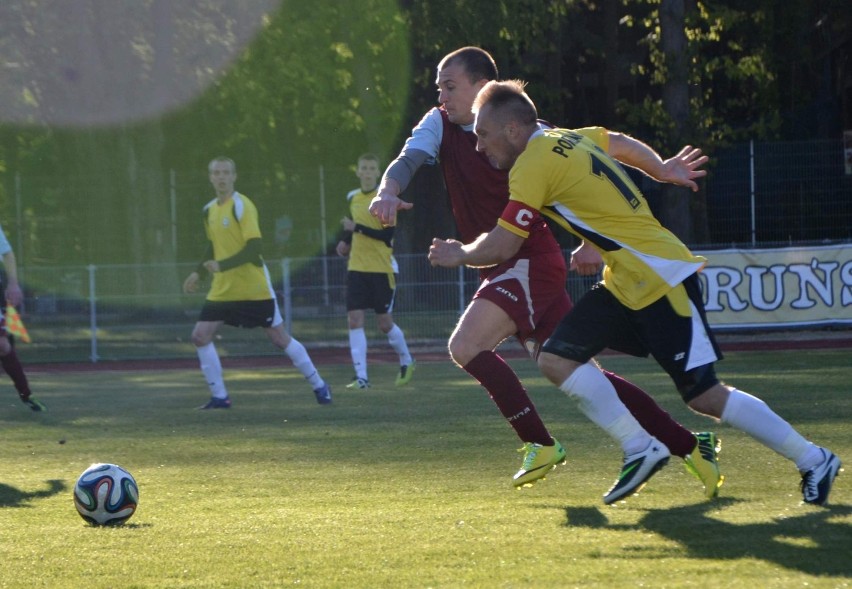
{"x": 682, "y": 169}
{"x": 344, "y": 238}
{"x": 190, "y": 285}
{"x": 396, "y": 178}
{"x": 384, "y": 235}
{"x": 489, "y": 249}
{"x": 420, "y": 148}
{"x": 250, "y": 254}
{"x": 586, "y": 260}
{"x": 14, "y": 295}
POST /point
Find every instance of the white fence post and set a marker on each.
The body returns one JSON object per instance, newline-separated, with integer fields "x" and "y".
{"x": 93, "y": 313}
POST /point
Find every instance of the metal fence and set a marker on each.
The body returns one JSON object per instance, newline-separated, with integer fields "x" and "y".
{"x": 129, "y": 312}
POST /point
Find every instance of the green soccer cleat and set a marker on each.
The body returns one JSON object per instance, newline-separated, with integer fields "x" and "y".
{"x": 34, "y": 404}
{"x": 405, "y": 374}
{"x": 538, "y": 461}
{"x": 703, "y": 463}
{"x": 636, "y": 471}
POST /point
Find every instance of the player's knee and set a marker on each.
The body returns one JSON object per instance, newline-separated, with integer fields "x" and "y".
{"x": 461, "y": 350}
{"x": 695, "y": 382}
{"x": 551, "y": 366}
{"x": 199, "y": 339}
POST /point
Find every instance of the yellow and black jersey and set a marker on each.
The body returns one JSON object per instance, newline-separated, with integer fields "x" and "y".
{"x": 229, "y": 226}
{"x": 372, "y": 244}
{"x": 568, "y": 176}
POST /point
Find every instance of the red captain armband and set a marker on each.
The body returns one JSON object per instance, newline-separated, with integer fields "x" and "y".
{"x": 520, "y": 216}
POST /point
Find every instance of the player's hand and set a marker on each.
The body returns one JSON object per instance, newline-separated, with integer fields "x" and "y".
{"x": 348, "y": 224}
{"x": 586, "y": 260}
{"x": 190, "y": 285}
{"x": 384, "y": 207}
{"x": 14, "y": 294}
{"x": 683, "y": 170}
{"x": 212, "y": 266}
{"x": 446, "y": 253}
{"x": 343, "y": 249}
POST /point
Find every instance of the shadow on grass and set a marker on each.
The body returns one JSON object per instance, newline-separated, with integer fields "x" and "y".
{"x": 815, "y": 542}
{"x": 12, "y": 497}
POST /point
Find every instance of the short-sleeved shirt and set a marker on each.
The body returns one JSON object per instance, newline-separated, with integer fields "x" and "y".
{"x": 229, "y": 226}
{"x": 568, "y": 176}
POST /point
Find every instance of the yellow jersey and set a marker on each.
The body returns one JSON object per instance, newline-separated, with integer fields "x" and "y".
{"x": 568, "y": 176}
{"x": 368, "y": 254}
{"x": 229, "y": 226}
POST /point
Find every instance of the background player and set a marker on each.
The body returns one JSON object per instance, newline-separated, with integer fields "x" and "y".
{"x": 8, "y": 357}
{"x": 241, "y": 292}
{"x": 371, "y": 276}
{"x": 650, "y": 298}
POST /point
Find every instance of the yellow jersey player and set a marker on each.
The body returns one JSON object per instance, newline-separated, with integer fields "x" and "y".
{"x": 241, "y": 292}
{"x": 649, "y": 301}
{"x": 371, "y": 276}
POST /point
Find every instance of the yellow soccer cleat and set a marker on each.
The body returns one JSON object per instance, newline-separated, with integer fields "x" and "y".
{"x": 703, "y": 463}
{"x": 405, "y": 374}
{"x": 538, "y": 461}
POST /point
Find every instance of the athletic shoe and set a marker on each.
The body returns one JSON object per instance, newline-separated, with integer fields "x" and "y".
{"x": 538, "y": 461}
{"x": 215, "y": 403}
{"x": 817, "y": 480}
{"x": 358, "y": 383}
{"x": 637, "y": 469}
{"x": 323, "y": 394}
{"x": 703, "y": 463}
{"x": 405, "y": 374}
{"x": 34, "y": 404}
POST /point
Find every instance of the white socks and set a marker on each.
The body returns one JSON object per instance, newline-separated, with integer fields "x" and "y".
{"x": 397, "y": 340}
{"x": 299, "y": 356}
{"x": 358, "y": 350}
{"x": 754, "y": 417}
{"x": 211, "y": 368}
{"x": 597, "y": 399}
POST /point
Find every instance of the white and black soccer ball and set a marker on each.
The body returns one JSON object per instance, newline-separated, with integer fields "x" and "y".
{"x": 106, "y": 494}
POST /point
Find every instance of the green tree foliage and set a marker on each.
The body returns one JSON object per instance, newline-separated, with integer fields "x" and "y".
{"x": 99, "y": 104}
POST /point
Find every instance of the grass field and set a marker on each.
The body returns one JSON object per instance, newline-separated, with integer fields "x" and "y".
{"x": 407, "y": 487}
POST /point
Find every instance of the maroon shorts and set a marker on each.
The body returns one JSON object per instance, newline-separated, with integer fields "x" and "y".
{"x": 531, "y": 291}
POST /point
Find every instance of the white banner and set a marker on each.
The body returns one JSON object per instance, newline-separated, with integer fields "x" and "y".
{"x": 787, "y": 287}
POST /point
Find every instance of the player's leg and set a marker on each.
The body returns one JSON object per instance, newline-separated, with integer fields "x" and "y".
{"x": 694, "y": 374}
{"x": 699, "y": 451}
{"x": 480, "y": 330}
{"x": 384, "y": 298}
{"x": 299, "y": 356}
{"x": 358, "y": 349}
{"x": 679, "y": 440}
{"x": 358, "y": 297}
{"x": 208, "y": 357}
{"x": 565, "y": 361}
{"x": 12, "y": 365}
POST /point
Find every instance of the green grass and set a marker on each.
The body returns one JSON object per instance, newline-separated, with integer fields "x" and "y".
{"x": 407, "y": 487}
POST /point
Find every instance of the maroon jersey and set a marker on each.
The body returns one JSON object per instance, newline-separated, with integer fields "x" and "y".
{"x": 479, "y": 192}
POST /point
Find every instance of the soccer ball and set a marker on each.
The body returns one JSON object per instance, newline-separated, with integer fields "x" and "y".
{"x": 106, "y": 494}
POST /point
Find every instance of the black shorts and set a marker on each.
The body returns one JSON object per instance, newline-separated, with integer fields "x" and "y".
{"x": 246, "y": 314}
{"x": 370, "y": 290}
{"x": 673, "y": 330}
